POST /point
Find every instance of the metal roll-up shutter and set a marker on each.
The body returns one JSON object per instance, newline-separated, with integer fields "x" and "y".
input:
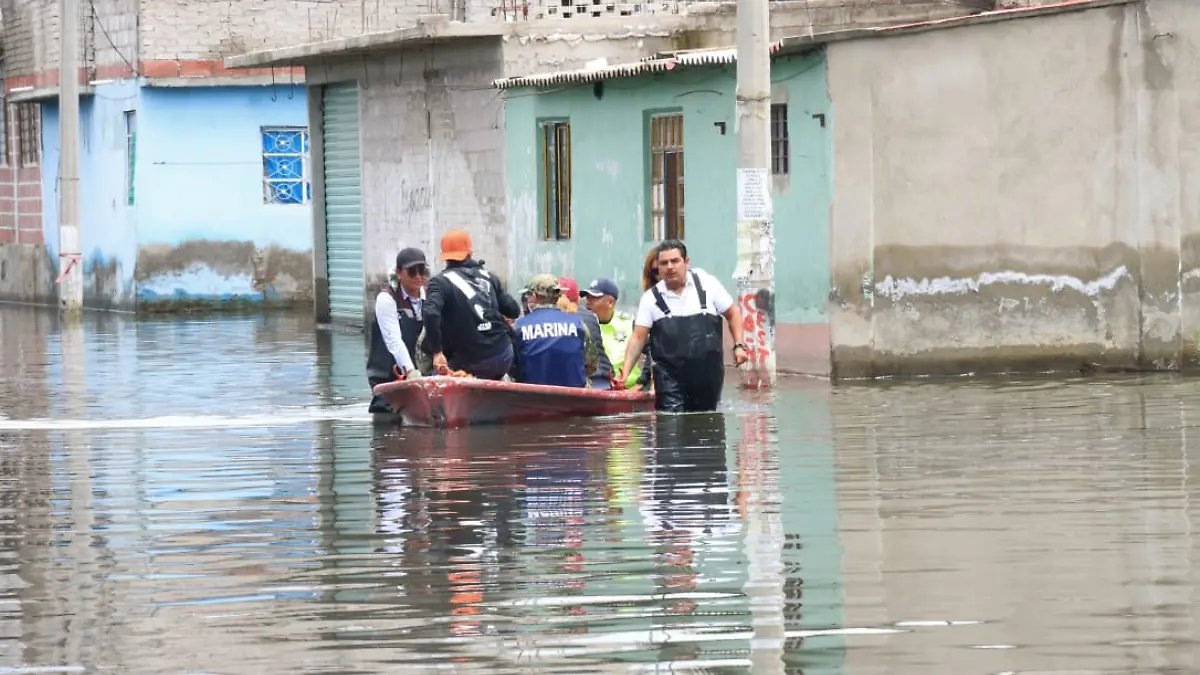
{"x": 343, "y": 203}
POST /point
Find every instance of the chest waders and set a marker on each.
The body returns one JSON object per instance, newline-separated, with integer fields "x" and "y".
{"x": 688, "y": 353}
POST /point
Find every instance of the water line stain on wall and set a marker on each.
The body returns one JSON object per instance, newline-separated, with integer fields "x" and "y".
{"x": 218, "y": 272}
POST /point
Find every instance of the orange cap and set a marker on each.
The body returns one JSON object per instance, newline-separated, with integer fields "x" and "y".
{"x": 570, "y": 288}
{"x": 456, "y": 245}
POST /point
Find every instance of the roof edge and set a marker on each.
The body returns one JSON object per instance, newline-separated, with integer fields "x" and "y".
{"x": 802, "y": 42}
{"x": 438, "y": 28}
{"x": 789, "y": 45}
{"x": 426, "y": 29}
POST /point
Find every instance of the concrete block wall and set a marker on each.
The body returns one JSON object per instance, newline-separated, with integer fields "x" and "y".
{"x": 30, "y": 36}
{"x": 119, "y": 37}
{"x": 107, "y": 40}
{"x": 189, "y": 30}
{"x": 432, "y": 149}
{"x": 113, "y": 37}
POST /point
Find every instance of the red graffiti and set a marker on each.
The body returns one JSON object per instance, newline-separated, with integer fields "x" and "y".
{"x": 753, "y": 462}
{"x": 754, "y": 329}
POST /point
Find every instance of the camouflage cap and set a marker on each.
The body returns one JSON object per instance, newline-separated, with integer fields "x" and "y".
{"x": 544, "y": 286}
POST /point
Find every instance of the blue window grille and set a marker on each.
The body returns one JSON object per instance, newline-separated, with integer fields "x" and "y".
{"x": 285, "y": 165}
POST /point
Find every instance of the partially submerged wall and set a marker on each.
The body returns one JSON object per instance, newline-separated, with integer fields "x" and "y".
{"x": 1007, "y": 196}
{"x": 26, "y": 270}
{"x": 207, "y": 236}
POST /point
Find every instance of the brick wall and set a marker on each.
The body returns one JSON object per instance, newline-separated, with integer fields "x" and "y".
{"x": 200, "y": 29}
{"x": 107, "y": 37}
{"x": 171, "y": 38}
{"x": 21, "y": 179}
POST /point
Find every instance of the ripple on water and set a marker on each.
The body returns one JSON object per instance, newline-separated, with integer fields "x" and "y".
{"x": 209, "y": 496}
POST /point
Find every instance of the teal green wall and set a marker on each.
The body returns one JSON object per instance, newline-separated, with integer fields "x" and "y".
{"x": 609, "y": 180}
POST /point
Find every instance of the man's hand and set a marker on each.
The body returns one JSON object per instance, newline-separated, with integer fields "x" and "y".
{"x": 739, "y": 355}
{"x": 618, "y": 383}
{"x": 439, "y": 364}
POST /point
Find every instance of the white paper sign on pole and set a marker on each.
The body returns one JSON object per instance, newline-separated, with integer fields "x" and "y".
{"x": 753, "y": 196}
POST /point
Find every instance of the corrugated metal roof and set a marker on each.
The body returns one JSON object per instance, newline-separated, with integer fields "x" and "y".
{"x": 602, "y": 71}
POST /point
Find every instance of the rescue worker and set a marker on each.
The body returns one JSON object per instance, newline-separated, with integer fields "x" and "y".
{"x": 615, "y": 330}
{"x": 397, "y": 324}
{"x": 464, "y": 312}
{"x": 680, "y": 316}
{"x": 601, "y": 376}
{"x": 552, "y": 346}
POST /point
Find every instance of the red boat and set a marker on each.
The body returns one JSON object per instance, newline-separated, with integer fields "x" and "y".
{"x": 452, "y": 402}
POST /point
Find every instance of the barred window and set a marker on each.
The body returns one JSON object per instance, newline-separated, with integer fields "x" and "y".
{"x": 556, "y": 180}
{"x": 29, "y": 131}
{"x": 666, "y": 176}
{"x": 285, "y": 166}
{"x": 781, "y": 148}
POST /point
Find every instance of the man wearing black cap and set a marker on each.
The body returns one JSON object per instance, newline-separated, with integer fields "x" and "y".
{"x": 397, "y": 324}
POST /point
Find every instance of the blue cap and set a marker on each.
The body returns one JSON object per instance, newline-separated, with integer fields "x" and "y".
{"x": 600, "y": 287}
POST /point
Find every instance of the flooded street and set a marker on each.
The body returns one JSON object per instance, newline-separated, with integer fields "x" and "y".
{"x": 210, "y": 496}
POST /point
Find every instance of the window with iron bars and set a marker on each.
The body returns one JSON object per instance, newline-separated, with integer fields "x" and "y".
{"x": 130, "y": 154}
{"x": 781, "y": 149}
{"x": 666, "y": 176}
{"x": 3, "y": 126}
{"x": 285, "y": 165}
{"x": 556, "y": 179}
{"x": 29, "y": 133}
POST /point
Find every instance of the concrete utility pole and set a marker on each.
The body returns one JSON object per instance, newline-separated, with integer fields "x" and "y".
{"x": 69, "y": 244}
{"x": 755, "y": 239}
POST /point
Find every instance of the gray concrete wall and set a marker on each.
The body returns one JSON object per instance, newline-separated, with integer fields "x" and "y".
{"x": 433, "y": 139}
{"x": 432, "y": 157}
{"x": 27, "y": 274}
{"x": 1013, "y": 195}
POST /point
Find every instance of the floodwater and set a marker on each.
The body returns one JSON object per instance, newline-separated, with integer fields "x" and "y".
{"x": 209, "y": 496}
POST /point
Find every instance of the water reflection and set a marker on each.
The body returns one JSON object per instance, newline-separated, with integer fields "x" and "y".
{"x": 531, "y": 544}
{"x": 210, "y": 496}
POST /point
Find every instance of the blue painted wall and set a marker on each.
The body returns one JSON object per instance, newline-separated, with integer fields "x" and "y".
{"x": 198, "y": 232}
{"x": 108, "y": 225}
{"x": 205, "y": 233}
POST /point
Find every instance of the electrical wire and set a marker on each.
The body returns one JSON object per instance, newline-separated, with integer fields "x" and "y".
{"x": 98, "y": 19}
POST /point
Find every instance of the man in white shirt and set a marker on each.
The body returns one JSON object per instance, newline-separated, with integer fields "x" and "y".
{"x": 397, "y": 323}
{"x": 681, "y": 318}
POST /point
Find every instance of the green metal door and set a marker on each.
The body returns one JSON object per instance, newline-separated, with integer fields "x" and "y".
{"x": 343, "y": 203}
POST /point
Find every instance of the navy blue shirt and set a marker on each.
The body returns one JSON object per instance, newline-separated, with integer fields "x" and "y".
{"x": 550, "y": 348}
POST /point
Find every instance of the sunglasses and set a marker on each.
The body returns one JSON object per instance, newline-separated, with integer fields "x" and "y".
{"x": 653, "y": 272}
{"x": 418, "y": 271}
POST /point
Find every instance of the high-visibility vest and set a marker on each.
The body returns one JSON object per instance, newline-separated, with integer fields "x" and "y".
{"x": 616, "y": 334}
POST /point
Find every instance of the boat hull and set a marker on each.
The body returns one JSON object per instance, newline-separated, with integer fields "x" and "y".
{"x": 452, "y": 402}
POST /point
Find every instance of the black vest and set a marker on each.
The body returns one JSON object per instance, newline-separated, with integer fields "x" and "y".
{"x": 380, "y": 362}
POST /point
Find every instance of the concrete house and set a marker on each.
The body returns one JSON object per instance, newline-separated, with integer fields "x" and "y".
{"x": 602, "y": 163}
{"x": 195, "y": 179}
{"x": 958, "y": 195}
{"x": 408, "y": 133}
